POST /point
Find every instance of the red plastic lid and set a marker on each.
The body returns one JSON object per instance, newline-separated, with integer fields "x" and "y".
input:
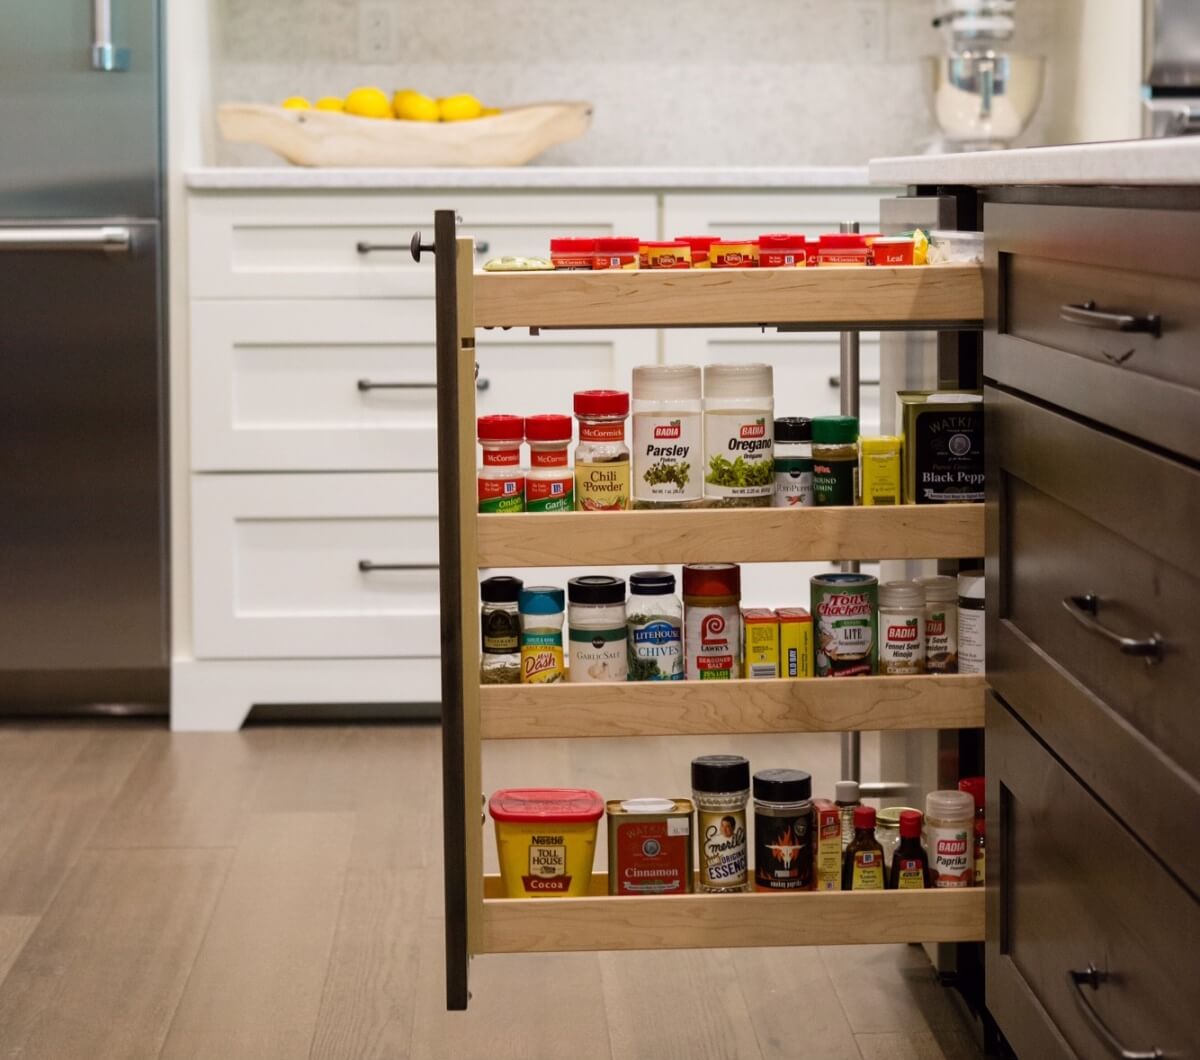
{"x": 843, "y": 241}
{"x": 712, "y": 579}
{"x": 864, "y": 816}
{"x": 602, "y": 402}
{"x": 699, "y": 242}
{"x": 573, "y": 244}
{"x": 781, "y": 241}
{"x": 665, "y": 243}
{"x": 617, "y": 245}
{"x": 974, "y": 786}
{"x": 531, "y": 805}
{"x": 551, "y": 427}
{"x": 910, "y": 824}
{"x": 501, "y": 428}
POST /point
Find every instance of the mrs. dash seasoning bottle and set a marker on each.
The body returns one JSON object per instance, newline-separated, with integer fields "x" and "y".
{"x": 667, "y": 445}
{"x": 720, "y": 789}
{"x": 739, "y": 427}
{"x": 602, "y": 457}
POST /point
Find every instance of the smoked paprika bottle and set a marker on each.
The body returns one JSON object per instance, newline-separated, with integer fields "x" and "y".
{"x": 862, "y": 864}
{"x": 910, "y": 863}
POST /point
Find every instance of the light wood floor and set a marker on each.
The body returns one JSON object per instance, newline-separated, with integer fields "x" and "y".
{"x": 276, "y": 894}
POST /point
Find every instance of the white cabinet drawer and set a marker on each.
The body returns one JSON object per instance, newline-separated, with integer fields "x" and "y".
{"x": 275, "y": 566}
{"x": 279, "y": 385}
{"x": 282, "y": 245}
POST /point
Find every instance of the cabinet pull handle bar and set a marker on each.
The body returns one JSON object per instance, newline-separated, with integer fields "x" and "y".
{"x": 1094, "y": 978}
{"x": 1089, "y": 315}
{"x": 1085, "y": 610}
{"x": 367, "y": 385}
{"x": 368, "y": 566}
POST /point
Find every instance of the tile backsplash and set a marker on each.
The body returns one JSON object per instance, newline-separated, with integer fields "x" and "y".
{"x": 674, "y": 82}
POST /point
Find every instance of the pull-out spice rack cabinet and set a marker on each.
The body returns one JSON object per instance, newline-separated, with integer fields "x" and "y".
{"x": 478, "y": 921}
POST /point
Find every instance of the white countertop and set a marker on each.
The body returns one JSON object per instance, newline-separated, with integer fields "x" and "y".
{"x": 1147, "y": 162}
{"x": 563, "y": 178}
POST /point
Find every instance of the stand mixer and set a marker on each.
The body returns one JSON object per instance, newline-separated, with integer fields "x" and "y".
{"x": 983, "y": 96}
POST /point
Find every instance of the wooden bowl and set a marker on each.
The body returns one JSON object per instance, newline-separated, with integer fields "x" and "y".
{"x": 327, "y": 138}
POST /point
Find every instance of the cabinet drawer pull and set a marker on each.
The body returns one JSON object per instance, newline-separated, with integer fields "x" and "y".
{"x": 369, "y": 567}
{"x": 1093, "y": 978}
{"x": 1088, "y": 315}
{"x": 365, "y": 246}
{"x": 366, "y": 385}
{"x": 1085, "y": 610}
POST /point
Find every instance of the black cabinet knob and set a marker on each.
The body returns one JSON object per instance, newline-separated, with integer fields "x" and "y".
{"x": 415, "y": 247}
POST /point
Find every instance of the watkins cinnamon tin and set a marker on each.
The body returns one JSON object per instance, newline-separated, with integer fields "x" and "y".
{"x": 650, "y": 846}
{"x": 845, "y": 610}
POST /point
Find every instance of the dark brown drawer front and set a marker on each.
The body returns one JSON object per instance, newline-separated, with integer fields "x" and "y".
{"x": 1071, "y": 888}
{"x": 1067, "y": 284}
{"x": 1079, "y": 514}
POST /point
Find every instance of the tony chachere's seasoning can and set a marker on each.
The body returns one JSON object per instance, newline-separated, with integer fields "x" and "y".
{"x": 795, "y": 642}
{"x": 541, "y": 610}
{"x": 546, "y": 839}
{"x": 783, "y": 824}
{"x": 549, "y": 482}
{"x": 845, "y": 609}
{"x": 655, "y": 624}
{"x": 650, "y": 846}
{"x": 601, "y": 457}
{"x": 712, "y": 642}
{"x": 901, "y": 628}
{"x": 950, "y": 837}
{"x": 721, "y": 788}
{"x": 760, "y": 643}
{"x": 501, "y": 477}
{"x": 596, "y": 628}
{"x": 941, "y": 624}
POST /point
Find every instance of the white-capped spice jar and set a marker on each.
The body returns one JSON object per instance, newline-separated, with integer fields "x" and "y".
{"x": 739, "y": 431}
{"x": 596, "y": 630}
{"x": 950, "y": 838}
{"x": 941, "y": 624}
{"x": 901, "y": 628}
{"x": 668, "y": 453}
{"x": 970, "y": 622}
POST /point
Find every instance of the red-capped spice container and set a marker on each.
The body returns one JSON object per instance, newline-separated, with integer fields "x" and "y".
{"x": 700, "y": 246}
{"x": 733, "y": 254}
{"x": 549, "y": 482}
{"x": 617, "y": 252}
{"x": 893, "y": 250}
{"x": 572, "y": 252}
{"x": 602, "y": 457}
{"x": 844, "y": 248}
{"x": 501, "y": 477}
{"x": 712, "y": 641}
{"x": 674, "y": 254}
{"x": 650, "y": 846}
{"x": 546, "y": 839}
{"x": 782, "y": 250}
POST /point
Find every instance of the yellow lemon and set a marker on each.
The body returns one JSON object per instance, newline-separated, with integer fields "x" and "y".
{"x": 463, "y": 107}
{"x": 331, "y": 103}
{"x": 296, "y": 103}
{"x": 368, "y": 103}
{"x": 490, "y": 112}
{"x": 411, "y": 105}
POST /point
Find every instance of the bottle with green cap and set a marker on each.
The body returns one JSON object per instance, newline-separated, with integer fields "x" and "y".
{"x": 835, "y": 460}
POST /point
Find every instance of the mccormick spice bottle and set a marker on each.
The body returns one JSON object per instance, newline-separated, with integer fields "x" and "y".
{"x": 862, "y": 864}
{"x": 572, "y": 252}
{"x": 783, "y": 830}
{"x": 700, "y": 246}
{"x": 617, "y": 252}
{"x": 500, "y": 631}
{"x": 549, "y": 482}
{"x": 501, "y": 477}
{"x": 835, "y": 460}
{"x": 712, "y": 645}
{"x": 720, "y": 788}
{"x": 602, "y": 457}
{"x": 910, "y": 863}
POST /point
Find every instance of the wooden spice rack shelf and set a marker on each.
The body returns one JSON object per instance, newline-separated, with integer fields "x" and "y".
{"x": 478, "y": 919}
{"x": 725, "y": 921}
{"x": 707, "y": 708}
{"x": 751, "y": 535}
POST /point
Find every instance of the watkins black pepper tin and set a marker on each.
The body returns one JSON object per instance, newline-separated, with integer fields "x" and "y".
{"x": 650, "y": 846}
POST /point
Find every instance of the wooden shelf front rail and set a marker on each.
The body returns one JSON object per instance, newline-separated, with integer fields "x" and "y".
{"x": 726, "y": 921}
{"x": 914, "y": 296}
{"x": 716, "y": 535}
{"x": 706, "y": 708}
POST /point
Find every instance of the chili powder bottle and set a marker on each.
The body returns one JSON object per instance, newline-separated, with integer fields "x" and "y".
{"x": 910, "y": 862}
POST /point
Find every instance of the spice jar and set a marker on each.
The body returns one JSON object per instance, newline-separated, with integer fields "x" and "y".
{"x": 734, "y": 254}
{"x": 901, "y": 628}
{"x": 712, "y": 644}
{"x": 500, "y": 631}
{"x": 846, "y": 799}
{"x": 674, "y": 254}
{"x": 782, "y": 250}
{"x": 862, "y": 863}
{"x": 616, "y": 252}
{"x": 596, "y": 625}
{"x": 700, "y": 246}
{"x": 941, "y": 624}
{"x": 793, "y": 459}
{"x": 572, "y": 253}
{"x": 739, "y": 427}
{"x": 549, "y": 482}
{"x": 977, "y": 789}
{"x": 655, "y": 626}
{"x": 971, "y": 622}
{"x": 835, "y": 460}
{"x": 666, "y": 436}
{"x": 783, "y": 821}
{"x": 501, "y": 477}
{"x": 887, "y": 830}
{"x": 949, "y": 837}
{"x": 602, "y": 457}
{"x": 909, "y": 869}
{"x": 881, "y": 478}
{"x": 541, "y": 610}
{"x": 720, "y": 789}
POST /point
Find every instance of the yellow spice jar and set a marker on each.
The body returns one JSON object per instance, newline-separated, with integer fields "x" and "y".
{"x": 546, "y": 839}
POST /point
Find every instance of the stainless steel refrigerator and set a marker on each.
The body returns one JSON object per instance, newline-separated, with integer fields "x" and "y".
{"x": 83, "y": 516}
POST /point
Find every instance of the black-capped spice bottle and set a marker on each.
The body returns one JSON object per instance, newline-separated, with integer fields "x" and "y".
{"x": 500, "y": 631}
{"x": 910, "y": 863}
{"x": 721, "y": 788}
{"x": 862, "y": 864}
{"x": 783, "y": 823}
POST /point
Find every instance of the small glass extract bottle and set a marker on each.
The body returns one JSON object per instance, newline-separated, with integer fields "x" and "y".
{"x": 862, "y": 863}
{"x": 845, "y": 795}
{"x": 500, "y": 631}
{"x": 910, "y": 863}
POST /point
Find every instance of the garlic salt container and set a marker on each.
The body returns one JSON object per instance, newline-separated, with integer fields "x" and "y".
{"x": 546, "y": 839}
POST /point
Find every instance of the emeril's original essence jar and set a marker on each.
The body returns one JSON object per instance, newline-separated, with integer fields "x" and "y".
{"x": 720, "y": 789}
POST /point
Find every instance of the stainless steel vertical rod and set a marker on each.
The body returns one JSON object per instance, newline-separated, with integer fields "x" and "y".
{"x": 849, "y": 392}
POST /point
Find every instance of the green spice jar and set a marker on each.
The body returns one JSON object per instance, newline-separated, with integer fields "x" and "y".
{"x": 835, "y": 461}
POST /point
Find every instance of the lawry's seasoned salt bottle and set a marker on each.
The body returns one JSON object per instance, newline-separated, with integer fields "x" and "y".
{"x": 668, "y": 451}
{"x": 739, "y": 431}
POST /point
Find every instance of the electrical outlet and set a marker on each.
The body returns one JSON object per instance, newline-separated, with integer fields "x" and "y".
{"x": 868, "y": 26}
{"x": 378, "y": 41}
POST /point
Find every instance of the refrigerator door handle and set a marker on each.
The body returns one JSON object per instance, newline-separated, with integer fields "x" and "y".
{"x": 105, "y": 239}
{"x": 106, "y": 56}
